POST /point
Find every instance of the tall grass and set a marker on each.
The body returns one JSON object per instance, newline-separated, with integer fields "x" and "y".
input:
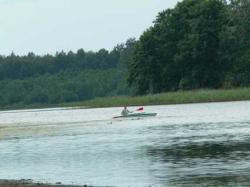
{"x": 180, "y": 97}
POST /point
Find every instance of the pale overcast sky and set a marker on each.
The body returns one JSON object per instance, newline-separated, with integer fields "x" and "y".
{"x": 47, "y": 26}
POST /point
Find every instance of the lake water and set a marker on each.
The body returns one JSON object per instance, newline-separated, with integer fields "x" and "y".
{"x": 184, "y": 145}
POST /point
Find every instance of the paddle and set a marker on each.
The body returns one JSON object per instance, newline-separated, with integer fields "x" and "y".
{"x": 138, "y": 109}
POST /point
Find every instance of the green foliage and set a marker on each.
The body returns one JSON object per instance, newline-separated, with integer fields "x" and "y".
{"x": 50, "y": 80}
{"x": 197, "y": 44}
{"x": 179, "y": 97}
{"x": 237, "y": 43}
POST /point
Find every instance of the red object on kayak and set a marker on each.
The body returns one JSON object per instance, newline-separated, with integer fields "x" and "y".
{"x": 140, "y": 109}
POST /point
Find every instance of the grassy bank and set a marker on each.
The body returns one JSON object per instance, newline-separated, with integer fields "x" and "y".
{"x": 180, "y": 97}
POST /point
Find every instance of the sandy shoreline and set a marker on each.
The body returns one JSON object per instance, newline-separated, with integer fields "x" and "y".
{"x": 30, "y": 183}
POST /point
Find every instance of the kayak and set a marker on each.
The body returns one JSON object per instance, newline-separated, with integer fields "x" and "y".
{"x": 137, "y": 115}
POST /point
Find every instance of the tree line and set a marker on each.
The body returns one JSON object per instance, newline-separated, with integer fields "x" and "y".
{"x": 64, "y": 77}
{"x": 197, "y": 44}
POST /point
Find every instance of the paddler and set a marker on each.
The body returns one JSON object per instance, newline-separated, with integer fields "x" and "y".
{"x": 125, "y": 111}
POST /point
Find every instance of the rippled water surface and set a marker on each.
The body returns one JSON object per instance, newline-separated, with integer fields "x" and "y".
{"x": 183, "y": 145}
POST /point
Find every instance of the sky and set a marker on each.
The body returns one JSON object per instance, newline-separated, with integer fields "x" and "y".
{"x": 47, "y": 26}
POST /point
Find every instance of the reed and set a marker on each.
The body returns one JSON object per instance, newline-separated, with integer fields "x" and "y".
{"x": 179, "y": 97}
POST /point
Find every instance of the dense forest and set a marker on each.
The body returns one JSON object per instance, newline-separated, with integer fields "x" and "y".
{"x": 60, "y": 78}
{"x": 197, "y": 44}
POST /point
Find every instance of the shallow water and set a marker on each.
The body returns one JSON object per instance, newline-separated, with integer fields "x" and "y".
{"x": 184, "y": 145}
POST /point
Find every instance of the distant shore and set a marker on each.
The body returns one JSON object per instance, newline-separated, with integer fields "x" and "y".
{"x": 178, "y": 97}
{"x": 30, "y": 183}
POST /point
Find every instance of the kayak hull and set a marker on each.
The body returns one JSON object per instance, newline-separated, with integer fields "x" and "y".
{"x": 137, "y": 115}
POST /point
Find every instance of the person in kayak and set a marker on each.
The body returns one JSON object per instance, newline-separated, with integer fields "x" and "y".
{"x": 125, "y": 111}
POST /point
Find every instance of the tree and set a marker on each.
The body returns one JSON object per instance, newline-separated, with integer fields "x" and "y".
{"x": 237, "y": 43}
{"x": 181, "y": 50}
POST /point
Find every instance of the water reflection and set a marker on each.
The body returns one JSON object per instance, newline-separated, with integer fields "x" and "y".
{"x": 202, "y": 163}
{"x": 230, "y": 180}
{"x": 203, "y": 150}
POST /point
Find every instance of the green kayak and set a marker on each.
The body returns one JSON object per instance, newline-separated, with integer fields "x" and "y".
{"x": 137, "y": 115}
